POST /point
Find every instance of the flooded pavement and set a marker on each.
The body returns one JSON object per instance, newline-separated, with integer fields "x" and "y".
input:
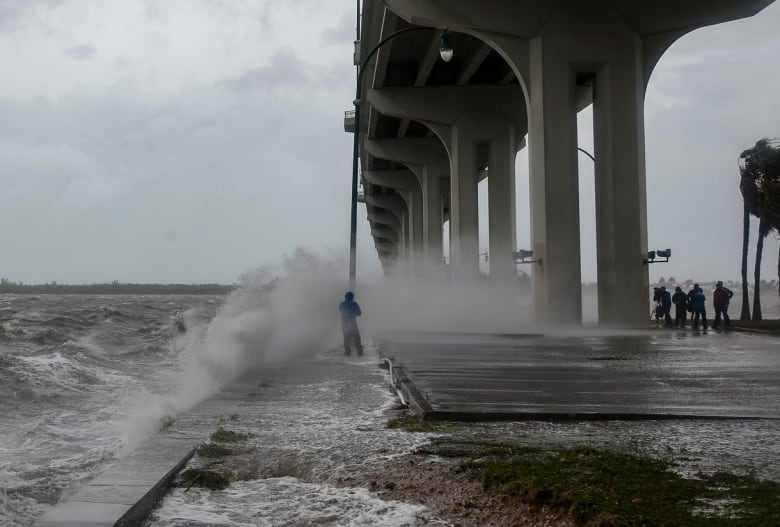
{"x": 590, "y": 375}
{"x": 313, "y": 425}
{"x": 318, "y": 425}
{"x": 707, "y": 401}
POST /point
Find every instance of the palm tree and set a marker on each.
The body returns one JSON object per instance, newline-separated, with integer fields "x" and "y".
{"x": 745, "y": 313}
{"x": 770, "y": 193}
{"x": 763, "y": 231}
{"x": 760, "y": 187}
{"x": 748, "y": 175}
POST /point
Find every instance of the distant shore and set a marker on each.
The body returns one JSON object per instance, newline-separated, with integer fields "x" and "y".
{"x": 116, "y": 288}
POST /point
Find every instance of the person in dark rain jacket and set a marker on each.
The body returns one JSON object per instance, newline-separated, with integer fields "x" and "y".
{"x": 680, "y": 301}
{"x": 699, "y": 308}
{"x": 720, "y": 301}
{"x": 666, "y": 304}
{"x": 350, "y": 310}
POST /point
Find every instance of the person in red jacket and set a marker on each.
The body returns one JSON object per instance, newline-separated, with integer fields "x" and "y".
{"x": 720, "y": 300}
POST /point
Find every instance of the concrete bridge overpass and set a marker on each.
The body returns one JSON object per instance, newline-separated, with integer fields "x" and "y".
{"x": 521, "y": 70}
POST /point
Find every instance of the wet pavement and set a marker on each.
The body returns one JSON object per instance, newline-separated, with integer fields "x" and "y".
{"x": 709, "y": 401}
{"x": 704, "y": 401}
{"x": 588, "y": 374}
{"x": 312, "y": 425}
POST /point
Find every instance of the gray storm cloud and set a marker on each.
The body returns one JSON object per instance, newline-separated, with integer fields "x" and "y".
{"x": 84, "y": 52}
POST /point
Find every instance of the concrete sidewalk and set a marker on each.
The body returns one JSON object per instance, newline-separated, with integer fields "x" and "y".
{"x": 477, "y": 377}
{"x": 125, "y": 492}
{"x": 587, "y": 374}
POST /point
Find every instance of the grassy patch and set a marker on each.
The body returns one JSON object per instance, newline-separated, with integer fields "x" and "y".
{"x": 228, "y": 436}
{"x": 610, "y": 489}
{"x": 200, "y": 477}
{"x": 212, "y": 450}
{"x": 449, "y": 447}
{"x": 414, "y": 424}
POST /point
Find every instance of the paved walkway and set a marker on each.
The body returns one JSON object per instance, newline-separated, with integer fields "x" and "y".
{"x": 585, "y": 375}
{"x": 658, "y": 374}
{"x": 125, "y": 492}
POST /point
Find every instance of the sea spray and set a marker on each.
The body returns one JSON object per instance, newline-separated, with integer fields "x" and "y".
{"x": 405, "y": 303}
{"x": 264, "y": 323}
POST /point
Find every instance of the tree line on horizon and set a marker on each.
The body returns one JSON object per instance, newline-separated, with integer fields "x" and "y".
{"x": 759, "y": 184}
{"x": 115, "y": 288}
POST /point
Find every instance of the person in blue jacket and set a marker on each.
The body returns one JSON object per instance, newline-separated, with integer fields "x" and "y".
{"x": 350, "y": 310}
{"x": 699, "y": 302}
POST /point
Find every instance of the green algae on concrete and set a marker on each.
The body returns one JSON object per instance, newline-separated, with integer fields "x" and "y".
{"x": 465, "y": 448}
{"x": 213, "y": 450}
{"x": 205, "y": 478}
{"x": 228, "y": 436}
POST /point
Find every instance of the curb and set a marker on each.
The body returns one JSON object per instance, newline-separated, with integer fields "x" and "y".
{"x": 125, "y": 493}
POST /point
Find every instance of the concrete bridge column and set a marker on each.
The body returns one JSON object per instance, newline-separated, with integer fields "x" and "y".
{"x": 396, "y": 209}
{"x": 466, "y": 118}
{"x": 555, "y": 226}
{"x": 427, "y": 159}
{"x": 579, "y": 49}
{"x": 621, "y": 202}
{"x": 502, "y": 205}
{"x": 464, "y": 215}
{"x": 406, "y": 185}
{"x": 593, "y": 45}
{"x": 385, "y": 229}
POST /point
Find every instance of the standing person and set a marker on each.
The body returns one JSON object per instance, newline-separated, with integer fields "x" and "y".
{"x": 690, "y": 298}
{"x": 666, "y": 304}
{"x": 680, "y": 301}
{"x": 720, "y": 300}
{"x": 699, "y": 308}
{"x": 350, "y": 310}
{"x": 658, "y": 309}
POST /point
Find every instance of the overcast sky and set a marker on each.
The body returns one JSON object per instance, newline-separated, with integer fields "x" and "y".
{"x": 195, "y": 140}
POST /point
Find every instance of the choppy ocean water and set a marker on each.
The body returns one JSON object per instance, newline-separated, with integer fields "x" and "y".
{"x": 77, "y": 374}
{"x": 84, "y": 380}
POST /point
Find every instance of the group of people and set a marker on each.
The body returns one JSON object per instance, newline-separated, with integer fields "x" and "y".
{"x": 694, "y": 302}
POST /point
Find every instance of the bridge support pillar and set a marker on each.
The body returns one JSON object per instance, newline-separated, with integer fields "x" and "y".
{"x": 405, "y": 184}
{"x": 466, "y": 119}
{"x": 588, "y": 45}
{"x": 393, "y": 214}
{"x": 427, "y": 159}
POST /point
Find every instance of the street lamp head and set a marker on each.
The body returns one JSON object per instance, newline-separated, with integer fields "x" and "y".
{"x": 445, "y": 49}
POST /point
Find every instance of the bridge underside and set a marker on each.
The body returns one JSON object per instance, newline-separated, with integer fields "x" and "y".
{"x": 431, "y": 130}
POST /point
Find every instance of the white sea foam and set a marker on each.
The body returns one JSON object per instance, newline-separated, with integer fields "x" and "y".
{"x": 88, "y": 343}
{"x": 258, "y": 326}
{"x": 286, "y": 501}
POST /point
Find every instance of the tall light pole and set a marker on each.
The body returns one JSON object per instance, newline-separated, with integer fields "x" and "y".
{"x": 445, "y": 51}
